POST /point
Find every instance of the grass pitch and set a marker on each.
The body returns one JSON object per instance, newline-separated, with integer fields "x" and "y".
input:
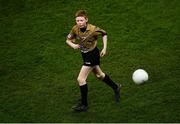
{"x": 38, "y": 70}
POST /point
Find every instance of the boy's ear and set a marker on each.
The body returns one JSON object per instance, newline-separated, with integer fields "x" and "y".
{"x": 86, "y": 19}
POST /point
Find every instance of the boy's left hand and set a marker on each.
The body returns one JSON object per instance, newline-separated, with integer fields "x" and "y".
{"x": 103, "y": 53}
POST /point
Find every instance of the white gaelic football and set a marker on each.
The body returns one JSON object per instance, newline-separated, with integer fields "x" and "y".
{"x": 140, "y": 76}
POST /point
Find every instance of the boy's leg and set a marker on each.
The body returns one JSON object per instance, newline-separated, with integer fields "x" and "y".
{"x": 105, "y": 78}
{"x": 85, "y": 70}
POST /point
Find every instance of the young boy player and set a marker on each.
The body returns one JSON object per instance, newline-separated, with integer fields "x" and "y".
{"x": 87, "y": 35}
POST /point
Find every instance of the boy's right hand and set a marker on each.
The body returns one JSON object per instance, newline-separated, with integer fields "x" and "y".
{"x": 76, "y": 46}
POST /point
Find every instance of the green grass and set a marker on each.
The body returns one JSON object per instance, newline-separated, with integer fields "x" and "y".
{"x": 38, "y": 70}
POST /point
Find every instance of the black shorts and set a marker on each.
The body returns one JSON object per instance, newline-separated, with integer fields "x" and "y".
{"x": 91, "y": 58}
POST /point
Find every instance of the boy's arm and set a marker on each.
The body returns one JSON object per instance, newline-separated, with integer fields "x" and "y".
{"x": 103, "y": 51}
{"x": 71, "y": 38}
{"x": 72, "y": 45}
{"x": 104, "y": 39}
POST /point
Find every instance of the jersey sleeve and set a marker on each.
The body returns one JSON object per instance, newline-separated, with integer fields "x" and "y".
{"x": 72, "y": 34}
{"x": 100, "y": 31}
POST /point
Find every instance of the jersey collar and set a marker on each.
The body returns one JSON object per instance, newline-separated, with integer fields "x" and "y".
{"x": 88, "y": 27}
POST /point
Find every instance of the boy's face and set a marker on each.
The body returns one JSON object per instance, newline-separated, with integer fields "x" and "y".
{"x": 81, "y": 21}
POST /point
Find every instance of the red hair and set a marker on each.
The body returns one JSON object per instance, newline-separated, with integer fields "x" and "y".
{"x": 81, "y": 13}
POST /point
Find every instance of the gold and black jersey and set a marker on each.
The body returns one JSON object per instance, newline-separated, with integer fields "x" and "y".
{"x": 86, "y": 39}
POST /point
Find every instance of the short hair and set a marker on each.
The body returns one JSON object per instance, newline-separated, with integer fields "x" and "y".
{"x": 81, "y": 13}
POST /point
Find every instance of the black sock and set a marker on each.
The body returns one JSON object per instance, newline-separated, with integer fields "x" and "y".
{"x": 109, "y": 82}
{"x": 84, "y": 91}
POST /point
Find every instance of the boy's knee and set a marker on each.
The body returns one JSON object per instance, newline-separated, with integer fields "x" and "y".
{"x": 81, "y": 81}
{"x": 100, "y": 76}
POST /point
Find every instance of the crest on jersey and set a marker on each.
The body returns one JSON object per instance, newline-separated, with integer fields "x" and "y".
{"x": 69, "y": 36}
